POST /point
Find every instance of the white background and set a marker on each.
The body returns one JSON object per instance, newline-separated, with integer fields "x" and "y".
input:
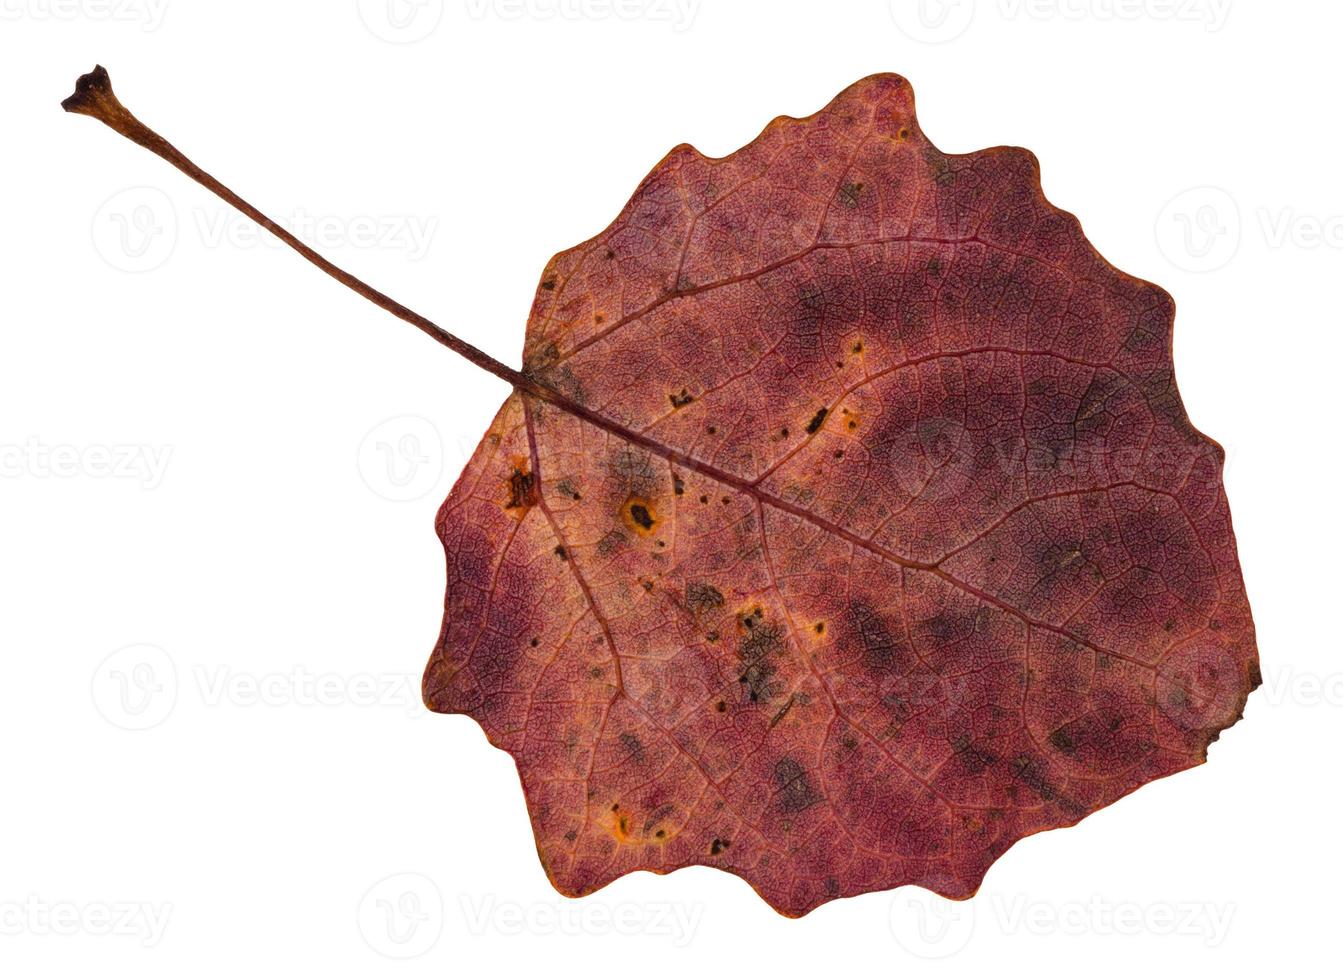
{"x": 218, "y": 597}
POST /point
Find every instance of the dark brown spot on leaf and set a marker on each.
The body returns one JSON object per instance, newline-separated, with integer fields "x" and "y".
{"x": 521, "y": 491}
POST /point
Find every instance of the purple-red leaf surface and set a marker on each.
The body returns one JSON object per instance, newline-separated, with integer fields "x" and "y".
{"x": 894, "y": 544}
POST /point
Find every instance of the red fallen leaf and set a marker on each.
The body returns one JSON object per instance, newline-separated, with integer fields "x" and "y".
{"x": 845, "y": 527}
